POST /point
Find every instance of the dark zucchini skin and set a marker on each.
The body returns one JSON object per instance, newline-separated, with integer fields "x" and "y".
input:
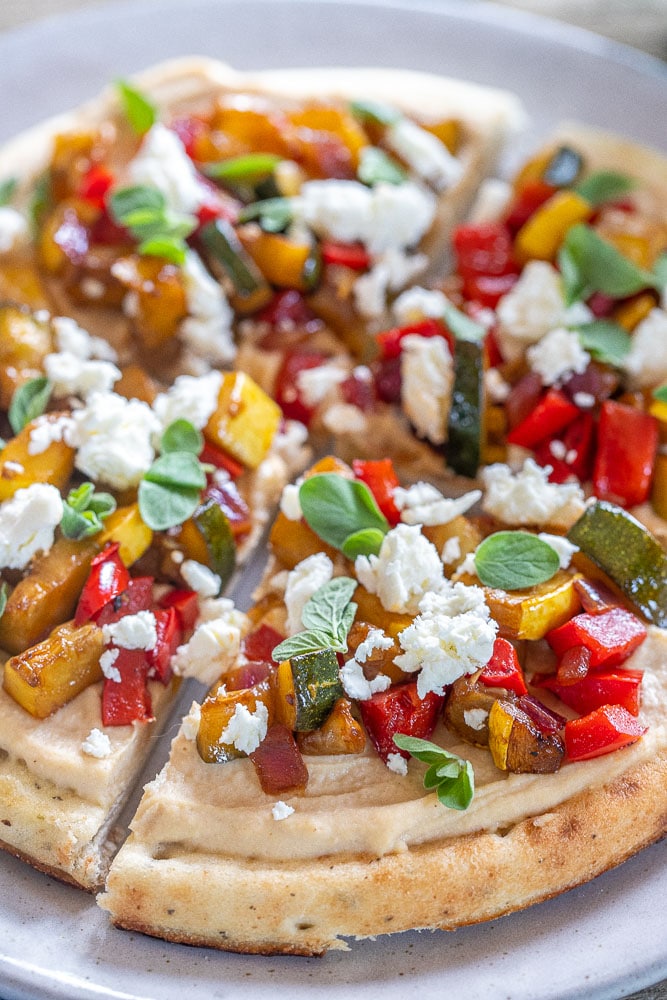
{"x": 317, "y": 687}
{"x": 463, "y": 450}
{"x": 629, "y": 554}
{"x": 216, "y": 529}
{"x": 224, "y": 247}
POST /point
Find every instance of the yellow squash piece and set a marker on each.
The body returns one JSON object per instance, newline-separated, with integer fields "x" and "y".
{"x": 47, "y": 676}
{"x": 245, "y": 420}
{"x": 20, "y": 469}
{"x": 518, "y": 745}
{"x": 340, "y": 733}
{"x": 216, "y": 713}
{"x": 126, "y": 526}
{"x": 531, "y": 613}
{"x": 542, "y": 235}
{"x": 284, "y": 262}
{"x": 24, "y": 343}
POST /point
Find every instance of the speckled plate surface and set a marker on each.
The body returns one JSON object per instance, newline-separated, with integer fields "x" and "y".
{"x": 601, "y": 941}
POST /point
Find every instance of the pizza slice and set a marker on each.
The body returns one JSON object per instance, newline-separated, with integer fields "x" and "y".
{"x": 438, "y": 715}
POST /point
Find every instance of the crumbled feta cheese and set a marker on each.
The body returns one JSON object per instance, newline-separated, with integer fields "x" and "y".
{"x": 107, "y": 661}
{"x": 383, "y": 217}
{"x": 529, "y": 310}
{"x": 468, "y": 567}
{"x": 97, "y": 744}
{"x": 73, "y": 339}
{"x": 407, "y": 566}
{"x": 558, "y": 449}
{"x": 391, "y": 271}
{"x": 211, "y": 608}
{"x": 352, "y": 675}
{"x": 70, "y": 376}
{"x": 419, "y": 303}
{"x": 92, "y": 288}
{"x": 427, "y": 380}
{"x": 27, "y": 524}
{"x": 290, "y": 504}
{"x": 163, "y": 163}
{"x": 302, "y": 582}
{"x": 491, "y": 201}
{"x": 47, "y": 430}
{"x": 476, "y": 718}
{"x": 423, "y": 153}
{"x": 13, "y": 228}
{"x": 558, "y": 355}
{"x": 397, "y": 763}
{"x": 210, "y": 651}
{"x": 190, "y": 723}
{"x": 189, "y": 398}
{"x": 281, "y": 810}
{"x": 246, "y": 730}
{"x": 561, "y": 545}
{"x": 495, "y": 386}
{"x": 646, "y": 361}
{"x": 584, "y": 400}
{"x": 576, "y": 314}
{"x": 424, "y": 504}
{"x": 136, "y": 631}
{"x": 443, "y": 643}
{"x": 207, "y": 330}
{"x": 315, "y": 384}
{"x": 113, "y": 436}
{"x": 344, "y": 418}
{"x": 200, "y": 578}
{"x": 528, "y": 497}
{"x": 290, "y": 444}
{"x": 451, "y": 550}
{"x": 455, "y": 599}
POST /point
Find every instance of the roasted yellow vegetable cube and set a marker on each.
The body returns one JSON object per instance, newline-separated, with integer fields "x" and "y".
{"x": 370, "y": 609}
{"x": 216, "y": 713}
{"x": 19, "y": 468}
{"x": 24, "y": 343}
{"x": 540, "y": 238}
{"x": 517, "y": 743}
{"x": 531, "y": 613}
{"x": 339, "y": 733}
{"x": 245, "y": 420}
{"x": 48, "y": 675}
{"x": 126, "y": 526}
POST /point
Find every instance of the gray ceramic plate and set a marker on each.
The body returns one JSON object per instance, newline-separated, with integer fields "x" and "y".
{"x": 601, "y": 941}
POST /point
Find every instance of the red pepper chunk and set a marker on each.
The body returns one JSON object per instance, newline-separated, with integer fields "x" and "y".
{"x": 186, "y": 605}
{"x": 577, "y": 447}
{"x": 503, "y": 669}
{"x": 608, "y": 728}
{"x": 380, "y": 477}
{"x": 389, "y": 341}
{"x": 605, "y": 687}
{"x": 259, "y": 645}
{"x": 278, "y": 762}
{"x": 96, "y": 183}
{"x": 212, "y": 455}
{"x": 127, "y": 700}
{"x": 483, "y": 248}
{"x": 107, "y": 579}
{"x": 528, "y": 200}
{"x": 399, "y": 710}
{"x": 553, "y": 412}
{"x": 352, "y": 255}
{"x": 287, "y": 384}
{"x": 611, "y": 637}
{"x": 169, "y": 637}
{"x": 488, "y": 289}
{"x": 625, "y": 459}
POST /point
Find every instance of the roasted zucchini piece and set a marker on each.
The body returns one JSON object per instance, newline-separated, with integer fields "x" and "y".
{"x": 227, "y": 254}
{"x": 465, "y": 432}
{"x": 306, "y": 687}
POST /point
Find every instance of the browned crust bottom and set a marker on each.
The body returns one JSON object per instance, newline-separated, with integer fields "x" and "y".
{"x": 46, "y": 869}
{"x": 306, "y": 908}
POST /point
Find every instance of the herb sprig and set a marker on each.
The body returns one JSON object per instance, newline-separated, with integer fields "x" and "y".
{"x": 513, "y": 560}
{"x": 344, "y": 513}
{"x": 327, "y": 618}
{"x": 450, "y": 776}
{"x": 590, "y": 264}
{"x": 84, "y": 511}
{"x": 169, "y": 492}
{"x": 29, "y": 402}
{"x": 159, "y": 231}
{"x": 139, "y": 111}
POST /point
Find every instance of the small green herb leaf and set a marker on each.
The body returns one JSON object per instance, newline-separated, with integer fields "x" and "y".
{"x": 28, "y": 402}
{"x": 366, "y": 542}
{"x": 574, "y": 286}
{"x": 171, "y": 248}
{"x": 376, "y": 167}
{"x": 124, "y": 202}
{"x": 163, "y": 507}
{"x": 601, "y": 267}
{"x": 178, "y": 469}
{"x": 604, "y": 185}
{"x": 513, "y": 560}
{"x": 375, "y": 112}
{"x": 308, "y": 641}
{"x": 243, "y": 169}
{"x": 84, "y": 511}
{"x": 660, "y": 271}
{"x": 181, "y": 435}
{"x": 335, "y": 508}
{"x": 451, "y": 776}
{"x": 139, "y": 111}
{"x": 7, "y": 189}
{"x": 273, "y": 214}
{"x": 40, "y": 200}
{"x": 327, "y": 618}
{"x": 660, "y": 393}
{"x": 461, "y": 326}
{"x": 3, "y": 598}
{"x": 159, "y": 232}
{"x": 605, "y": 341}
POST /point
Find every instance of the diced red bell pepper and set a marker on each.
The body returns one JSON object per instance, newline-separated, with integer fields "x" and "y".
{"x": 595, "y": 596}
{"x": 546, "y": 720}
{"x": 608, "y": 728}
{"x": 530, "y": 197}
{"x": 387, "y": 379}
{"x": 247, "y": 675}
{"x": 399, "y": 710}
{"x": 278, "y": 762}
{"x": 127, "y": 700}
{"x": 169, "y": 637}
{"x": 577, "y": 447}
{"x": 259, "y": 645}
{"x": 626, "y": 450}
{"x": 358, "y": 389}
{"x": 288, "y": 307}
{"x": 503, "y": 669}
{"x": 186, "y": 605}
{"x": 483, "y": 248}
{"x": 286, "y": 389}
{"x": 523, "y": 398}
{"x": 352, "y": 255}
{"x": 232, "y": 504}
{"x": 105, "y": 232}
{"x": 381, "y": 479}
{"x": 554, "y": 411}
{"x": 488, "y": 289}
{"x": 95, "y": 185}
{"x": 137, "y": 596}
{"x": 389, "y": 341}
{"x": 605, "y": 687}
{"x": 212, "y": 455}
{"x": 610, "y": 637}
{"x": 108, "y": 577}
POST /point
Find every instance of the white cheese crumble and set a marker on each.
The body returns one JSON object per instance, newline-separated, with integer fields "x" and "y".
{"x": 246, "y": 730}
{"x": 136, "y": 631}
{"x": 419, "y": 303}
{"x": 97, "y": 744}
{"x": 189, "y": 398}
{"x": 646, "y": 361}
{"x": 13, "y": 228}
{"x": 281, "y": 810}
{"x": 211, "y": 650}
{"x": 47, "y": 430}
{"x": 527, "y": 497}
{"x": 407, "y": 567}
{"x": 315, "y": 384}
{"x": 422, "y": 503}
{"x": 113, "y": 436}
{"x": 107, "y": 661}
{"x": 352, "y": 675}
{"x": 211, "y": 608}
{"x": 451, "y": 550}
{"x": 163, "y": 163}
{"x": 532, "y": 308}
{"x": 584, "y": 400}
{"x": 397, "y": 763}
{"x": 27, "y": 524}
{"x": 290, "y": 445}
{"x": 491, "y": 201}
{"x": 561, "y": 545}
{"x": 207, "y": 330}
{"x": 427, "y": 381}
{"x": 200, "y": 578}
{"x": 451, "y": 636}
{"x": 73, "y": 339}
{"x": 290, "y": 504}
{"x": 70, "y": 376}
{"x": 383, "y": 217}
{"x": 424, "y": 154}
{"x": 302, "y": 582}
{"x": 558, "y": 355}
{"x": 390, "y": 272}
{"x": 476, "y": 718}
{"x": 495, "y": 386}
{"x": 190, "y": 723}
{"x": 344, "y": 418}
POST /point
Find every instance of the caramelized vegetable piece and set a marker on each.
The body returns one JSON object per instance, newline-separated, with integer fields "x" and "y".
{"x": 531, "y": 613}
{"x": 466, "y": 531}
{"x": 465, "y": 432}
{"x": 370, "y": 609}
{"x": 306, "y": 687}
{"x": 126, "y": 527}
{"x": 541, "y": 237}
{"x": 229, "y": 257}
{"x": 24, "y": 343}
{"x": 278, "y": 763}
{"x": 216, "y": 713}
{"x": 340, "y": 733}
{"x": 518, "y": 744}
{"x": 468, "y": 706}
{"x": 245, "y": 420}
{"x": 50, "y": 674}
{"x": 19, "y": 468}
{"x": 160, "y": 301}
{"x": 283, "y": 261}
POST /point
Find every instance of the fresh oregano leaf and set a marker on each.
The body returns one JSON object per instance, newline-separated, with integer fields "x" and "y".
{"x": 603, "y": 186}
{"x": 181, "y": 435}
{"x": 7, "y": 189}
{"x": 375, "y": 112}
{"x": 573, "y": 285}
{"x": 660, "y": 271}
{"x": 366, "y": 542}
{"x": 139, "y": 111}
{"x": 273, "y": 214}
{"x": 461, "y": 326}
{"x": 308, "y": 641}
{"x": 451, "y": 776}
{"x": 601, "y": 267}
{"x": 124, "y": 202}
{"x": 605, "y": 341}
{"x": 660, "y": 393}
{"x": 28, "y": 402}
{"x": 327, "y": 618}
{"x": 171, "y": 248}
{"x": 336, "y": 507}
{"x": 3, "y": 598}
{"x": 178, "y": 469}
{"x": 246, "y": 169}
{"x": 163, "y": 507}
{"x": 512, "y": 560}
{"x": 84, "y": 511}
{"x": 377, "y": 167}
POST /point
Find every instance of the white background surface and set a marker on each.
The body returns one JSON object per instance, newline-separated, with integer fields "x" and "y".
{"x": 600, "y": 941}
